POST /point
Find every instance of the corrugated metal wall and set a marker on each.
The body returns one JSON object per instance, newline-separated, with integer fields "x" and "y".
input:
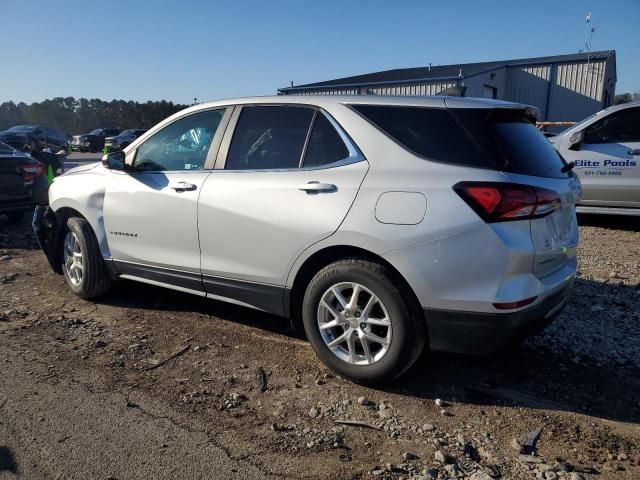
{"x": 529, "y": 85}
{"x": 584, "y": 78}
{"x": 408, "y": 89}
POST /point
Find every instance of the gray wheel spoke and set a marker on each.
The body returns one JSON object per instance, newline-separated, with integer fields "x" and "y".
{"x": 383, "y": 322}
{"x": 351, "y": 344}
{"x": 329, "y": 308}
{"x": 365, "y": 348}
{"x": 339, "y": 297}
{"x": 340, "y": 339}
{"x": 369, "y": 306}
{"x": 330, "y": 324}
{"x": 376, "y": 339}
{"x": 353, "y": 301}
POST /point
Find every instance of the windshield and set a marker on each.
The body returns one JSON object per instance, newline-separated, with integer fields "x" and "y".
{"x": 4, "y": 148}
{"x": 23, "y": 128}
{"x": 126, "y": 133}
{"x": 97, "y": 131}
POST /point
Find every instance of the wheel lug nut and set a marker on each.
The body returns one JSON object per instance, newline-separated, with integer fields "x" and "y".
{"x": 357, "y": 314}
{"x": 355, "y": 333}
{"x": 363, "y": 325}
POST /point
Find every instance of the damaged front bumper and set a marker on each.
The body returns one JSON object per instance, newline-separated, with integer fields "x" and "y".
{"x": 48, "y": 228}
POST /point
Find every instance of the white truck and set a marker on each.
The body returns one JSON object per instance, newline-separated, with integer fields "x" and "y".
{"x": 605, "y": 151}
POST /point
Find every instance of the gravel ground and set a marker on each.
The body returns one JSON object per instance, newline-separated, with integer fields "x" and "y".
{"x": 152, "y": 383}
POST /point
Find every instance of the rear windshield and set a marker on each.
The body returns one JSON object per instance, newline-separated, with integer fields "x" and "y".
{"x": 498, "y": 139}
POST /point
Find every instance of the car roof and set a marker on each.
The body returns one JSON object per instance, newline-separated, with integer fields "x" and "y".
{"x": 332, "y": 100}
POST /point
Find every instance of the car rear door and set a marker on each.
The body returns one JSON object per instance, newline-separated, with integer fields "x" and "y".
{"x": 608, "y": 160}
{"x": 150, "y": 211}
{"x": 285, "y": 179}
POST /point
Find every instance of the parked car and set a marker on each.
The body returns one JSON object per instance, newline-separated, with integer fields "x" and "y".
{"x": 22, "y": 183}
{"x": 605, "y": 149}
{"x": 381, "y": 222}
{"x": 122, "y": 141}
{"x": 35, "y": 137}
{"x": 94, "y": 140}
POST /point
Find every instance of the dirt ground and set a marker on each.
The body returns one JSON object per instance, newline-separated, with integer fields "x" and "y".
{"x": 83, "y": 395}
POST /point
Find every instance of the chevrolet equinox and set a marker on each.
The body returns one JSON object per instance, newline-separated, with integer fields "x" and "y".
{"x": 383, "y": 223}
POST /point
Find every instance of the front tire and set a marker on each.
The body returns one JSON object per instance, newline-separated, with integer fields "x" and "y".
{"x": 82, "y": 263}
{"x": 362, "y": 321}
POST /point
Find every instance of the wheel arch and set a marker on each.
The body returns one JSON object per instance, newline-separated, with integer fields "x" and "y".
{"x": 326, "y": 256}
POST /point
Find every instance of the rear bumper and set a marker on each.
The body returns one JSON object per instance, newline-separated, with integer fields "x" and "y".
{"x": 477, "y": 333}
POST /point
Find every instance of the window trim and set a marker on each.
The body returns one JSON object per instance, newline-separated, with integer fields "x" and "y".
{"x": 212, "y": 153}
{"x": 355, "y": 154}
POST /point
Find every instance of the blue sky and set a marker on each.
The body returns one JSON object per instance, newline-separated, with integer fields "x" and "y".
{"x": 178, "y": 50}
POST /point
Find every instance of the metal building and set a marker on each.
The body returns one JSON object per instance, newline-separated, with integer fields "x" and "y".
{"x": 563, "y": 87}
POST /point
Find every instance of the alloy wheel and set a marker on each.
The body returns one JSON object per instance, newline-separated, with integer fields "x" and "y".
{"x": 73, "y": 259}
{"x": 354, "y": 323}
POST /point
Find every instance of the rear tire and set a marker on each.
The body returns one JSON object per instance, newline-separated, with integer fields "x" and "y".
{"x": 15, "y": 217}
{"x": 83, "y": 267}
{"x": 384, "y": 316}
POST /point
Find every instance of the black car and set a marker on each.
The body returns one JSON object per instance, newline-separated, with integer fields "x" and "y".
{"x": 23, "y": 182}
{"x": 94, "y": 140}
{"x": 36, "y": 137}
{"x": 123, "y": 140}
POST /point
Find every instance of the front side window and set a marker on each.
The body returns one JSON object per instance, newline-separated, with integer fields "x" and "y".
{"x": 269, "y": 137}
{"x": 182, "y": 145}
{"x": 622, "y": 126}
{"x": 325, "y": 145}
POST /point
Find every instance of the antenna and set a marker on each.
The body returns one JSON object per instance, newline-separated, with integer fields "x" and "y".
{"x": 588, "y": 37}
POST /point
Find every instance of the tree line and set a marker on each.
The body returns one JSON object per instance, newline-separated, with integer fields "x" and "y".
{"x": 75, "y": 116}
{"x": 626, "y": 98}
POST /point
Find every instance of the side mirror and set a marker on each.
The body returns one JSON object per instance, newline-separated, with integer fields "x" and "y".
{"x": 114, "y": 161}
{"x": 576, "y": 139}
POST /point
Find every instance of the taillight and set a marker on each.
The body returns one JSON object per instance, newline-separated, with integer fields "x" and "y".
{"x": 31, "y": 171}
{"x": 502, "y": 202}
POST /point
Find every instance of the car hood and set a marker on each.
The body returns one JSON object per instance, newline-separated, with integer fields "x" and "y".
{"x": 13, "y": 134}
{"x": 82, "y": 168}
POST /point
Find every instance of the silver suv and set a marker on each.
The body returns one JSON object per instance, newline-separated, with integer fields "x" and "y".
{"x": 383, "y": 223}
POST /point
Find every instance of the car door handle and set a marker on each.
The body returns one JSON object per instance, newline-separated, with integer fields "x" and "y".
{"x": 183, "y": 187}
{"x": 634, "y": 152}
{"x": 318, "y": 187}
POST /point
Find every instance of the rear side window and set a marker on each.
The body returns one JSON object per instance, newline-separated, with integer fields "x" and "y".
{"x": 500, "y": 139}
{"x": 429, "y": 132}
{"x": 269, "y": 137}
{"x": 325, "y": 145}
{"x": 513, "y": 141}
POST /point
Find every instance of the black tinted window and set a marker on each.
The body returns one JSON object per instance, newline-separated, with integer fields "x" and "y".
{"x": 513, "y": 142}
{"x": 269, "y": 138}
{"x": 325, "y": 145}
{"x": 622, "y": 126}
{"x": 428, "y": 132}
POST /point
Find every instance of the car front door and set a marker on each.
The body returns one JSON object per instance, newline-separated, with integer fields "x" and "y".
{"x": 608, "y": 160}
{"x": 150, "y": 210}
{"x": 285, "y": 178}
